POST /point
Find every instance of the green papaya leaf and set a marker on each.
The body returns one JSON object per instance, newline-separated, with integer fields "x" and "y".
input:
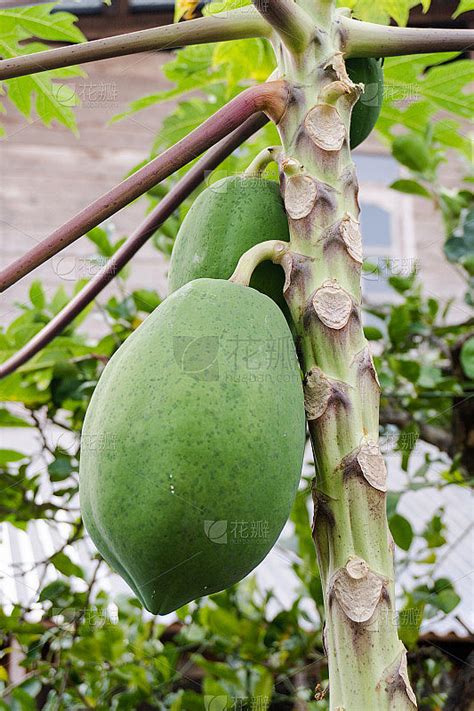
{"x": 216, "y": 697}
{"x": 464, "y": 6}
{"x": 444, "y": 597}
{"x": 253, "y": 58}
{"x": 393, "y": 497}
{"x": 22, "y": 700}
{"x": 447, "y": 600}
{"x": 372, "y": 333}
{"x": 399, "y": 324}
{"x": 412, "y": 151}
{"x": 192, "y": 69}
{"x": 467, "y": 358}
{"x": 65, "y": 565}
{"x": 460, "y": 246}
{"x": 410, "y": 618}
{"x": 434, "y": 532}
{"x": 263, "y": 689}
{"x": 402, "y": 283}
{"x": 409, "y": 369}
{"x": 401, "y": 531}
{"x": 9, "y": 420}
{"x": 146, "y": 300}
{"x": 52, "y": 98}
{"x": 8, "y": 456}
{"x": 398, "y": 10}
{"x": 101, "y": 240}
{"x": 54, "y": 591}
{"x": 60, "y": 469}
{"x": 40, "y": 21}
{"x": 427, "y": 84}
{"x": 455, "y": 249}
{"x": 410, "y": 187}
{"x": 37, "y": 296}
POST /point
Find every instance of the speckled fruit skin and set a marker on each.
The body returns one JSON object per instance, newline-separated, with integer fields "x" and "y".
{"x": 226, "y": 220}
{"x": 193, "y": 444}
{"x": 365, "y": 114}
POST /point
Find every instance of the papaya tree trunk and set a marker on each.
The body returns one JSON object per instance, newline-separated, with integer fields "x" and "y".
{"x": 367, "y": 661}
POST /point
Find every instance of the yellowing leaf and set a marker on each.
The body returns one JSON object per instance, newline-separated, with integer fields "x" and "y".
{"x": 217, "y": 6}
{"x": 245, "y": 59}
{"x": 382, "y": 10}
{"x": 398, "y": 9}
{"x": 464, "y": 6}
{"x": 185, "y": 9}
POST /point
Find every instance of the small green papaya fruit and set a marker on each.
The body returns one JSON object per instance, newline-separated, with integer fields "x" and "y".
{"x": 193, "y": 444}
{"x": 226, "y": 219}
{"x": 365, "y": 114}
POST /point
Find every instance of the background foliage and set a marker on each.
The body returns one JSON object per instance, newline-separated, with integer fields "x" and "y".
{"x": 229, "y": 651}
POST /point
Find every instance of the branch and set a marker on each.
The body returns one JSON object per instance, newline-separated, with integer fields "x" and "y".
{"x": 443, "y": 330}
{"x": 236, "y": 24}
{"x": 167, "y": 206}
{"x": 436, "y": 436}
{"x": 365, "y": 39}
{"x": 270, "y": 97}
{"x": 293, "y": 25}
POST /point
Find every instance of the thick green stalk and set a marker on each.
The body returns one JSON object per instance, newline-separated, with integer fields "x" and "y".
{"x": 367, "y": 662}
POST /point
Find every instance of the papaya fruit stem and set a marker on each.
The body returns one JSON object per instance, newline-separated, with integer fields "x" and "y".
{"x": 272, "y": 250}
{"x": 323, "y": 264}
{"x": 259, "y": 164}
{"x": 270, "y": 97}
{"x": 122, "y": 256}
{"x": 232, "y": 25}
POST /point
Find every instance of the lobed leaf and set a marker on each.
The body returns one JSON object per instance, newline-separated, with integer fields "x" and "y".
{"x": 464, "y": 6}
{"x": 53, "y": 101}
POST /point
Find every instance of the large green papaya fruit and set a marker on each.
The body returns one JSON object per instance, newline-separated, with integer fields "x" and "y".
{"x": 369, "y": 72}
{"x": 226, "y": 220}
{"x": 193, "y": 443}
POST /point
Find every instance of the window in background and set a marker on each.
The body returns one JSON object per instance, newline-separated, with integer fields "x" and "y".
{"x": 151, "y": 5}
{"x": 81, "y": 7}
{"x": 386, "y": 223}
{"x": 89, "y": 7}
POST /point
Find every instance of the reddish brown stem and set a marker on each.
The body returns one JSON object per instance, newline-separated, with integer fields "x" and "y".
{"x": 270, "y": 98}
{"x": 123, "y": 255}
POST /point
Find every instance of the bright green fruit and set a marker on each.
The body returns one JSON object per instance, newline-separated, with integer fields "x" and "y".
{"x": 367, "y": 110}
{"x": 193, "y": 443}
{"x": 226, "y": 220}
